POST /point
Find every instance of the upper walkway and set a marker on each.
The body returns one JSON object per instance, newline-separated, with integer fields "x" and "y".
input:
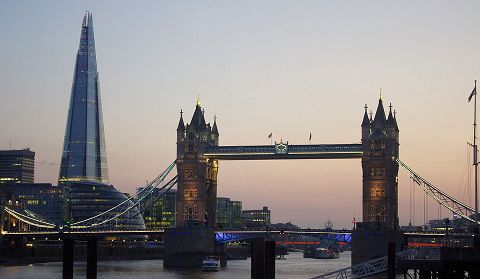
{"x": 285, "y": 151}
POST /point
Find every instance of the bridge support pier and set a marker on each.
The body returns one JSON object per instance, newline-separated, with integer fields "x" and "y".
{"x": 391, "y": 260}
{"x": 369, "y": 244}
{"x": 187, "y": 247}
{"x": 92, "y": 259}
{"x": 263, "y": 259}
{"x": 68, "y": 245}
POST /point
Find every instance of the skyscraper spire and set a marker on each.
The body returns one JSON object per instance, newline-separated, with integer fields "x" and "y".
{"x": 84, "y": 155}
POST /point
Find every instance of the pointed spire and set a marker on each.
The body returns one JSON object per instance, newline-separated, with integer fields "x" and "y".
{"x": 380, "y": 113}
{"x": 198, "y": 119}
{"x": 198, "y": 100}
{"x": 84, "y": 22}
{"x": 390, "y": 120}
{"x": 90, "y": 19}
{"x": 181, "y": 125}
{"x": 214, "y": 128}
{"x": 395, "y": 120}
{"x": 365, "y": 121}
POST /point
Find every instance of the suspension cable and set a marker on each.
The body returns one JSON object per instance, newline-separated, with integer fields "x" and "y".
{"x": 414, "y": 211}
{"x": 150, "y": 187}
{"x": 127, "y": 210}
{"x": 440, "y": 196}
{"x": 410, "y": 200}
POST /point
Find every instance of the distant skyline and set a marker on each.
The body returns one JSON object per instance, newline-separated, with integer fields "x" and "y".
{"x": 286, "y": 68}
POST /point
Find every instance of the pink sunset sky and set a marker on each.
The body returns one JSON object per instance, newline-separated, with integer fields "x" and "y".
{"x": 282, "y": 67}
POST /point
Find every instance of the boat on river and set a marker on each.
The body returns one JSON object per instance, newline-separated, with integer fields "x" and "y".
{"x": 211, "y": 263}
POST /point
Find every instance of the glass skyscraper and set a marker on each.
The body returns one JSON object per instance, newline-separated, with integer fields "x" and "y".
{"x": 84, "y": 156}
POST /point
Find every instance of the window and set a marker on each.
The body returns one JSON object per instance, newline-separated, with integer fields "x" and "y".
{"x": 190, "y": 193}
{"x": 376, "y": 171}
{"x": 190, "y": 212}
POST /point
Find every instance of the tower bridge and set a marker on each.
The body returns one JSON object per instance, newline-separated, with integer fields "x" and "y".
{"x": 197, "y": 163}
{"x": 199, "y": 153}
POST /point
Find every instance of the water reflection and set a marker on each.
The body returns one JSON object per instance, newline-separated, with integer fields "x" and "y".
{"x": 295, "y": 266}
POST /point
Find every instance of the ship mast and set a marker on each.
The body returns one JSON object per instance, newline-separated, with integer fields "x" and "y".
{"x": 475, "y": 151}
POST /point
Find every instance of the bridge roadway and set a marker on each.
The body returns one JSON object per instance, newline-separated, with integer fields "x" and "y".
{"x": 220, "y": 236}
{"x": 285, "y": 151}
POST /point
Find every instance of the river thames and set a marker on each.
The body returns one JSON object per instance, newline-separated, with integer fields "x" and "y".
{"x": 295, "y": 266}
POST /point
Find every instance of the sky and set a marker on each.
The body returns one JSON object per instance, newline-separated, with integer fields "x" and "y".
{"x": 282, "y": 67}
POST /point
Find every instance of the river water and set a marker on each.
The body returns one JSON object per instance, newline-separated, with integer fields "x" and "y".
{"x": 295, "y": 266}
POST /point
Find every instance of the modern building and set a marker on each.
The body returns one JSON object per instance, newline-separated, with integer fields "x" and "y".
{"x": 17, "y": 166}
{"x": 223, "y": 210}
{"x": 161, "y": 214}
{"x": 83, "y": 168}
{"x": 235, "y": 215}
{"x": 41, "y": 199}
{"x": 228, "y": 213}
{"x": 284, "y": 226}
{"x": 256, "y": 218}
{"x": 87, "y": 199}
{"x": 84, "y": 156}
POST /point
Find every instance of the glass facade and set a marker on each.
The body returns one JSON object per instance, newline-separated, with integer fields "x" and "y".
{"x": 84, "y": 156}
{"x": 87, "y": 199}
{"x": 228, "y": 214}
{"x": 161, "y": 214}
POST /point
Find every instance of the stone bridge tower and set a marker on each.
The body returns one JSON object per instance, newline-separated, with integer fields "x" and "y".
{"x": 380, "y": 141}
{"x": 380, "y": 144}
{"x": 197, "y": 175}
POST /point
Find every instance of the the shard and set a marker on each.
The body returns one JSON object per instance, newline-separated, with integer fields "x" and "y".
{"x": 84, "y": 155}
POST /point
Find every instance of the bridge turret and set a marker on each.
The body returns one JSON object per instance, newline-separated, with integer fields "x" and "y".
{"x": 380, "y": 144}
{"x": 181, "y": 129}
{"x": 214, "y": 133}
{"x": 197, "y": 175}
{"x": 366, "y": 124}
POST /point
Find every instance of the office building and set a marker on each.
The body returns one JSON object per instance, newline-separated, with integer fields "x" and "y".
{"x": 17, "y": 166}
{"x": 83, "y": 167}
{"x": 161, "y": 213}
{"x": 256, "y": 218}
{"x": 42, "y": 200}
{"x": 228, "y": 213}
{"x": 84, "y": 156}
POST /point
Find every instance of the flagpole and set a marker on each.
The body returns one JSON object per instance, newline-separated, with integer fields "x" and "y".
{"x": 475, "y": 152}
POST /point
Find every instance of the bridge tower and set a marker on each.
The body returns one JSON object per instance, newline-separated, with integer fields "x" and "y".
{"x": 197, "y": 176}
{"x": 194, "y": 236}
{"x": 380, "y": 144}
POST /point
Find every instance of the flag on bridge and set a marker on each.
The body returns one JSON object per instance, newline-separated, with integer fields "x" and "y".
{"x": 270, "y": 136}
{"x": 310, "y": 138}
{"x": 474, "y": 92}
